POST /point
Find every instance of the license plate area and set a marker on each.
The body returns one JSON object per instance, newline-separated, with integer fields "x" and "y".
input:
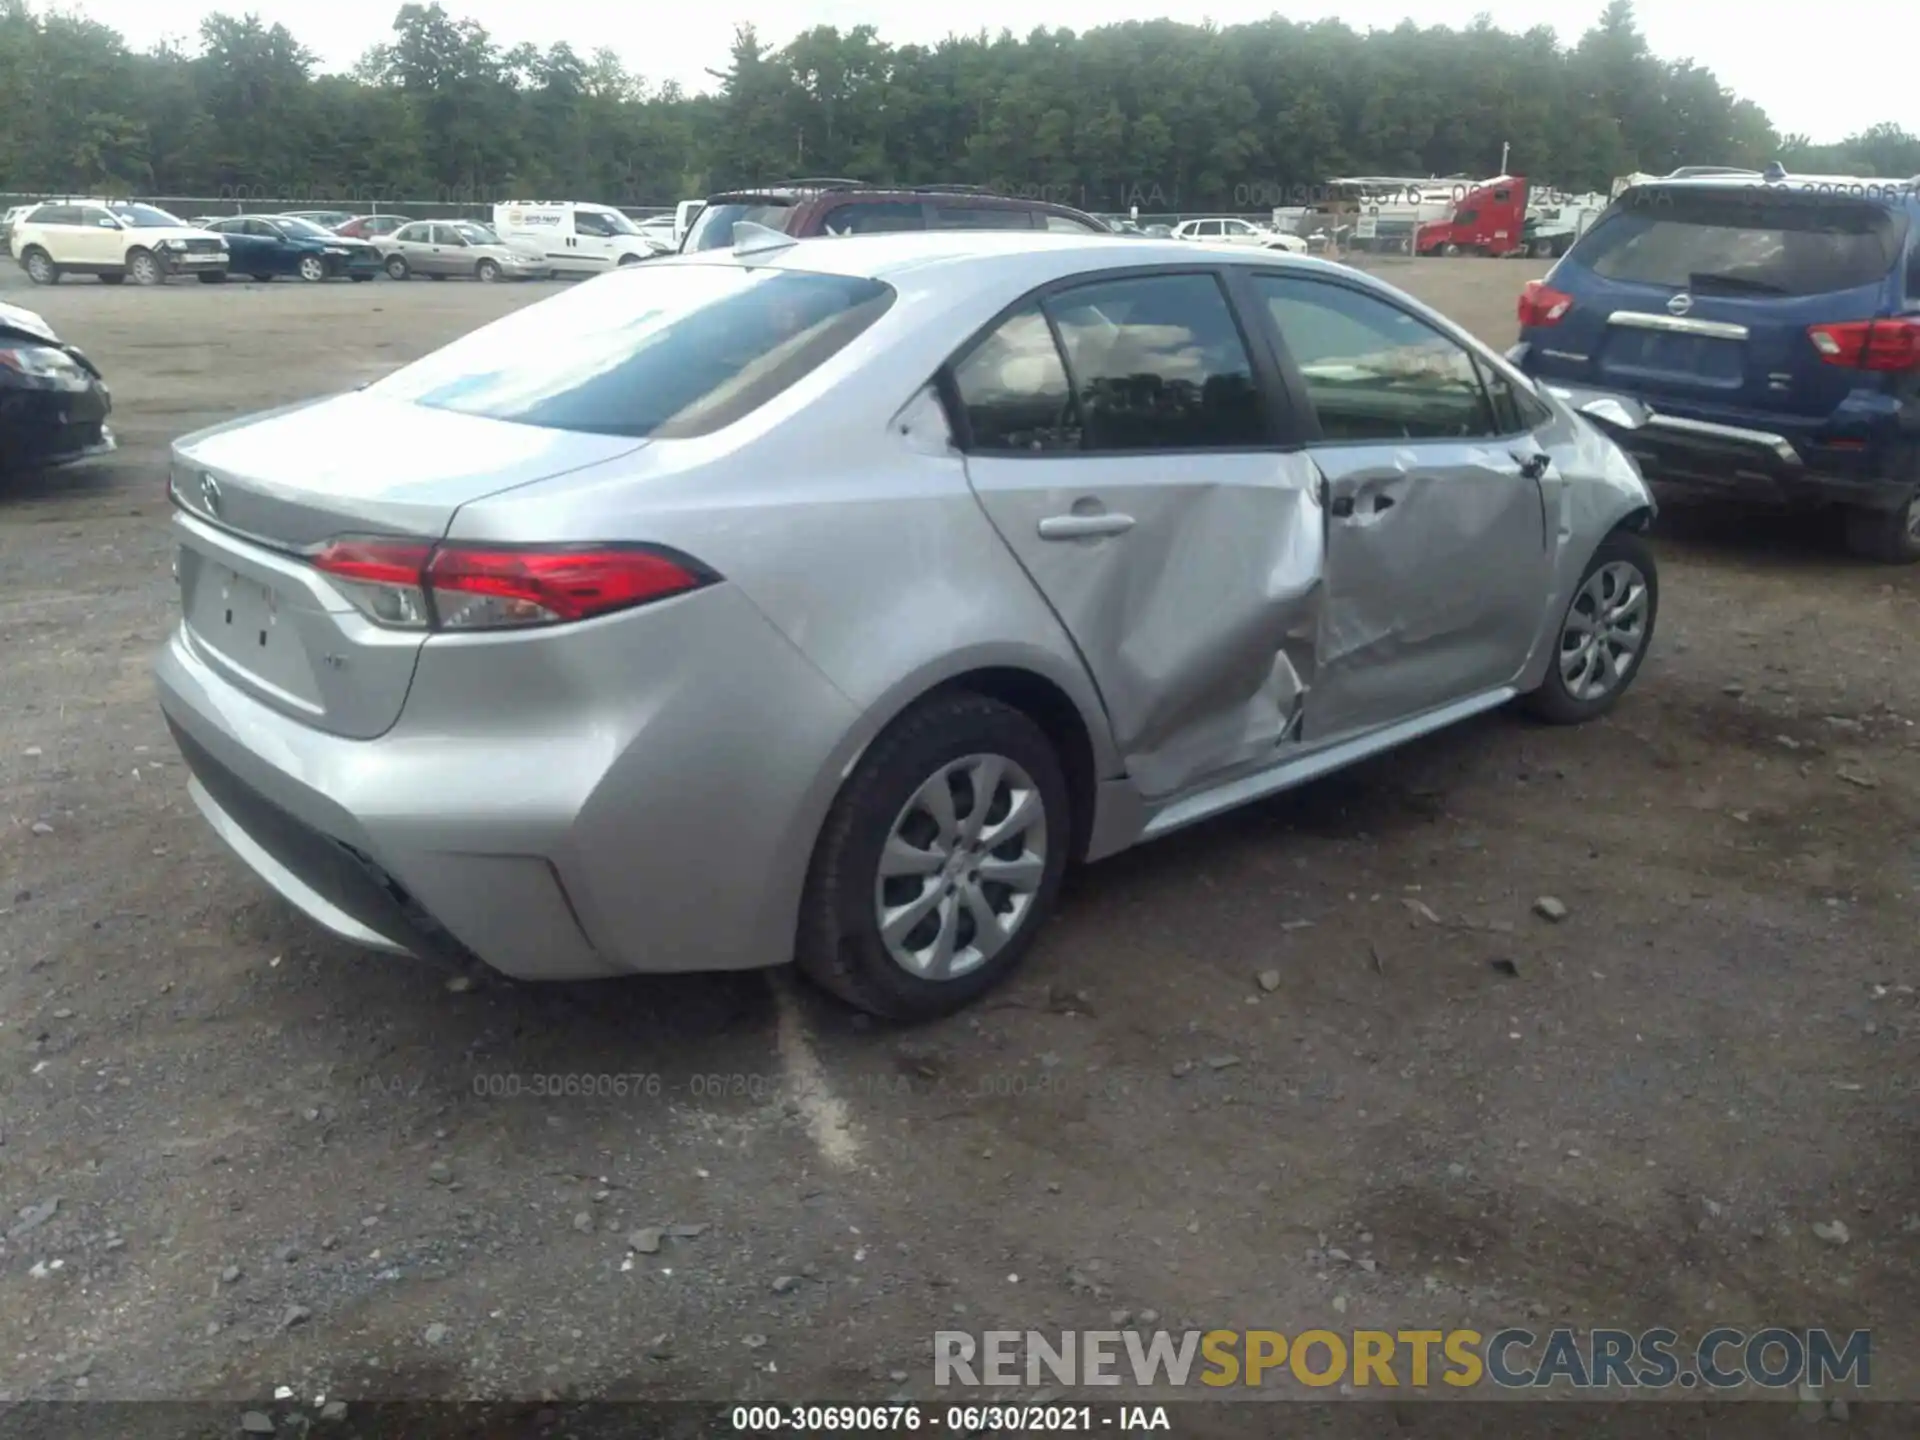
{"x": 1706, "y": 361}
{"x": 248, "y": 629}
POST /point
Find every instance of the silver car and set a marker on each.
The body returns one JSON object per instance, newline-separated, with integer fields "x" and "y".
{"x": 439, "y": 248}
{"x": 822, "y": 600}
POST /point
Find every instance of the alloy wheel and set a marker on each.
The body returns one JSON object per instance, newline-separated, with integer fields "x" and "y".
{"x": 1605, "y": 628}
{"x": 312, "y": 267}
{"x": 962, "y": 867}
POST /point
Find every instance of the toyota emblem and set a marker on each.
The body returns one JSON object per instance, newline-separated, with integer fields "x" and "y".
{"x": 209, "y": 493}
{"x": 1680, "y": 304}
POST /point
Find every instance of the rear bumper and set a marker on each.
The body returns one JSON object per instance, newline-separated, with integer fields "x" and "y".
{"x": 1701, "y": 459}
{"x": 44, "y": 427}
{"x": 612, "y": 800}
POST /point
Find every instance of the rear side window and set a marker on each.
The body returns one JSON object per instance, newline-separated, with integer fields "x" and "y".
{"x": 1157, "y": 363}
{"x": 664, "y": 353}
{"x": 980, "y": 217}
{"x": 713, "y": 228}
{"x": 1744, "y": 242}
{"x": 55, "y": 215}
{"x": 882, "y": 218}
{"x": 413, "y": 234}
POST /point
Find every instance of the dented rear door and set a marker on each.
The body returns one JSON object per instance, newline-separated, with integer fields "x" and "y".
{"x": 1139, "y": 489}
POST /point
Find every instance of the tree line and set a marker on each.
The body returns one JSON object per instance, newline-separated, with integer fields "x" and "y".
{"x": 1164, "y": 115}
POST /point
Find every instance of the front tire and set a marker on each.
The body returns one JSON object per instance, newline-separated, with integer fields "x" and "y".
{"x": 144, "y": 268}
{"x": 1604, "y": 633}
{"x": 487, "y": 270}
{"x": 939, "y": 862}
{"x": 312, "y": 269}
{"x": 1891, "y": 537}
{"x": 40, "y": 267}
{"x": 397, "y": 268}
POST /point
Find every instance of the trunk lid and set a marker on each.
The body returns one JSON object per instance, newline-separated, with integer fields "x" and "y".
{"x": 283, "y": 483}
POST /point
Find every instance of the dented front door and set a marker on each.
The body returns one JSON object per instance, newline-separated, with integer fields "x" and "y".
{"x": 1437, "y": 569}
{"x": 1189, "y": 582}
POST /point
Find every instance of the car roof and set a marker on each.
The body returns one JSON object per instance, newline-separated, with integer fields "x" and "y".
{"x": 1817, "y": 187}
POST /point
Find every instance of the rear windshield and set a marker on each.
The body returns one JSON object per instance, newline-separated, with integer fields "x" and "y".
{"x": 1743, "y": 242}
{"x": 713, "y": 230}
{"x": 666, "y": 351}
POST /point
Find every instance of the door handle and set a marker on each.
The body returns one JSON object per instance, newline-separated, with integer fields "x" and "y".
{"x": 1081, "y": 527}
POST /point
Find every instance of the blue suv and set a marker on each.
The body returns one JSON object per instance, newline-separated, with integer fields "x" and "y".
{"x": 1753, "y": 337}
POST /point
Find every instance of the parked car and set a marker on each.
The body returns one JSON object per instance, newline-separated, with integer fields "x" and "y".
{"x": 325, "y": 219}
{"x": 6, "y": 226}
{"x": 371, "y": 227}
{"x": 577, "y": 239}
{"x": 659, "y": 228}
{"x": 583, "y": 679}
{"x": 802, "y": 208}
{"x": 53, "y": 401}
{"x": 266, "y": 246}
{"x": 439, "y": 248}
{"x": 115, "y": 240}
{"x": 1751, "y": 341}
{"x": 1228, "y": 230}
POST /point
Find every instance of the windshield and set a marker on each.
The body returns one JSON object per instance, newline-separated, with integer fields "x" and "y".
{"x": 146, "y": 217}
{"x": 714, "y": 229}
{"x": 661, "y": 353}
{"x": 615, "y": 222}
{"x": 303, "y": 229}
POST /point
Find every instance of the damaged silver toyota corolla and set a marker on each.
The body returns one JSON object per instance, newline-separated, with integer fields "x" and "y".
{"x": 822, "y": 600}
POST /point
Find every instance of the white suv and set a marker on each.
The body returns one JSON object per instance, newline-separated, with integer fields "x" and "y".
{"x": 1232, "y": 231}
{"x": 113, "y": 239}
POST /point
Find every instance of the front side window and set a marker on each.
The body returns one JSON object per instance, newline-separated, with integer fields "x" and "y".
{"x": 1158, "y": 363}
{"x": 1067, "y": 225}
{"x": 1373, "y": 372}
{"x": 591, "y": 223}
{"x": 1015, "y": 392}
{"x": 660, "y": 353}
{"x": 446, "y": 235}
{"x": 95, "y": 218}
{"x": 884, "y": 218}
{"x": 147, "y": 217}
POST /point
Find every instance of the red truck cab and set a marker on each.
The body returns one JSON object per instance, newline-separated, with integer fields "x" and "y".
{"x": 1489, "y": 219}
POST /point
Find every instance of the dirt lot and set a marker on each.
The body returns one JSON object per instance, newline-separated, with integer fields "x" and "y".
{"x": 276, "y": 1160}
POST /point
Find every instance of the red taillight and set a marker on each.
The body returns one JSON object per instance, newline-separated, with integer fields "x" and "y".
{"x": 478, "y": 589}
{"x": 1541, "y": 304}
{"x": 1890, "y": 345}
{"x": 375, "y": 562}
{"x": 415, "y": 585}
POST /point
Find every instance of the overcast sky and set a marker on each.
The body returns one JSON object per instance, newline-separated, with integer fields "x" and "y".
{"x": 1828, "y": 69}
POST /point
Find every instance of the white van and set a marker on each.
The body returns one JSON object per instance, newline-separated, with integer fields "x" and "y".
{"x": 684, "y": 214}
{"x": 579, "y": 239}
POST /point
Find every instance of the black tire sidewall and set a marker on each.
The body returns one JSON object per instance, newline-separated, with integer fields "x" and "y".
{"x": 50, "y": 270}
{"x": 846, "y": 952}
{"x": 1552, "y": 701}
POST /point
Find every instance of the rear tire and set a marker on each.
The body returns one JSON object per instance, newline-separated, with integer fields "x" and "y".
{"x": 1891, "y": 537}
{"x": 397, "y": 268}
{"x": 1602, "y": 618}
{"x": 40, "y": 267}
{"x": 939, "y": 748}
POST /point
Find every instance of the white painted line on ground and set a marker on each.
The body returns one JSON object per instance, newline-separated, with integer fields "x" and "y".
{"x": 823, "y": 1111}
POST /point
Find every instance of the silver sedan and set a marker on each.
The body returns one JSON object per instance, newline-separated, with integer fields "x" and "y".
{"x": 823, "y": 600}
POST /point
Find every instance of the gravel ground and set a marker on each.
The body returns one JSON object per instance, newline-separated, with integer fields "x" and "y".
{"x": 235, "y": 1154}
